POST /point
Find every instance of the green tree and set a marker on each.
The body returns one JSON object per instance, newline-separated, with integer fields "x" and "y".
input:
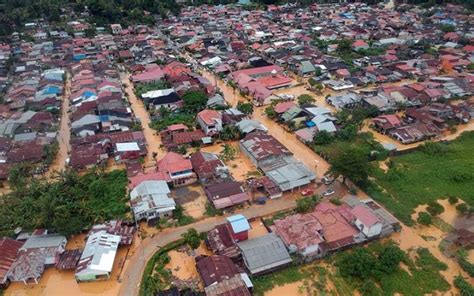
{"x": 270, "y": 112}
{"x": 229, "y": 133}
{"x": 464, "y": 287}
{"x": 435, "y": 208}
{"x": 305, "y": 99}
{"x": 351, "y": 162}
{"x": 323, "y": 138}
{"x": 194, "y": 101}
{"x": 306, "y": 204}
{"x": 424, "y": 218}
{"x": 228, "y": 153}
{"x": 462, "y": 208}
{"x": 390, "y": 258}
{"x": 453, "y": 199}
{"x": 192, "y": 238}
{"x": 359, "y": 263}
{"x": 246, "y": 108}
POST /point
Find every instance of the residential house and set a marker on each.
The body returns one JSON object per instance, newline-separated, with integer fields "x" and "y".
{"x": 239, "y": 227}
{"x": 9, "y": 249}
{"x": 264, "y": 254}
{"x": 150, "y": 200}
{"x": 176, "y": 170}
{"x": 210, "y": 121}
{"x": 40, "y": 250}
{"x": 98, "y": 257}
{"x": 386, "y": 123}
{"x": 226, "y": 194}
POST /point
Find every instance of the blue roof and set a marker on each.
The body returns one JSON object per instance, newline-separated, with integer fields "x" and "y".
{"x": 239, "y": 223}
{"x": 79, "y": 56}
{"x": 310, "y": 123}
{"x": 88, "y": 94}
{"x": 52, "y": 90}
{"x": 104, "y": 118}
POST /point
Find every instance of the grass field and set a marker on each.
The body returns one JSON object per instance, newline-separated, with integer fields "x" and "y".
{"x": 437, "y": 171}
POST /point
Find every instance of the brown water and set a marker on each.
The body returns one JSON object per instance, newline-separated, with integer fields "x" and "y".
{"x": 152, "y": 138}
{"x": 64, "y": 133}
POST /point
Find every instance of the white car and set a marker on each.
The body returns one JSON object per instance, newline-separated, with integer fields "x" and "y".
{"x": 327, "y": 179}
{"x": 328, "y": 192}
{"x": 287, "y": 97}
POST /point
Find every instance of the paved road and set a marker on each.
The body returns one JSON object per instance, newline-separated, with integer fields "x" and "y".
{"x": 131, "y": 276}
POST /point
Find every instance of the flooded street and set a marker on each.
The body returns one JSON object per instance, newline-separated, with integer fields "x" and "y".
{"x": 60, "y": 283}
{"x": 64, "y": 133}
{"x": 152, "y": 138}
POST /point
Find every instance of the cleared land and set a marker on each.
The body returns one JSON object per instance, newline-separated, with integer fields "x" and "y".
{"x": 436, "y": 171}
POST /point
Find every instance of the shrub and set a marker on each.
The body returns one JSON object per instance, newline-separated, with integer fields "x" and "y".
{"x": 434, "y": 208}
{"x": 462, "y": 208}
{"x": 360, "y": 263}
{"x": 192, "y": 238}
{"x": 463, "y": 286}
{"x": 424, "y": 218}
{"x": 306, "y": 204}
{"x": 453, "y": 200}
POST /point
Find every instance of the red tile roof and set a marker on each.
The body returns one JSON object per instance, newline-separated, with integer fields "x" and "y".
{"x": 8, "y": 254}
{"x": 173, "y": 163}
{"x": 365, "y": 215}
{"x": 209, "y": 116}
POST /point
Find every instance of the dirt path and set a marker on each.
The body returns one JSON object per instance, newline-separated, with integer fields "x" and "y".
{"x": 64, "y": 134}
{"x": 153, "y": 140}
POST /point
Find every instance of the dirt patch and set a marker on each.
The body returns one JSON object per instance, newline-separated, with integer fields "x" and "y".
{"x": 258, "y": 229}
{"x": 288, "y": 289}
{"x": 192, "y": 198}
{"x": 182, "y": 265}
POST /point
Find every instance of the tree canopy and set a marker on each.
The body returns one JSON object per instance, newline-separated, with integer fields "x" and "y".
{"x": 351, "y": 162}
{"x": 67, "y": 205}
{"x": 194, "y": 101}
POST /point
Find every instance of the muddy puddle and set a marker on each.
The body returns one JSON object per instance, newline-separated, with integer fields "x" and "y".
{"x": 192, "y": 198}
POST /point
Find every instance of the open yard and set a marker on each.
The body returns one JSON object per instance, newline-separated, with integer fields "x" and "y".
{"x": 436, "y": 171}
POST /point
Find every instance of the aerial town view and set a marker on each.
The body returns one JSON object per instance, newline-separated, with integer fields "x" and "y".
{"x": 236, "y": 147}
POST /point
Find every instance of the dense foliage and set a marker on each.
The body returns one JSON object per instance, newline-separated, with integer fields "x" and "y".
{"x": 67, "y": 205}
{"x": 377, "y": 270}
{"x": 306, "y": 204}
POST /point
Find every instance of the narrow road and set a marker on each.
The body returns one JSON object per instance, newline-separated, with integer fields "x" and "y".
{"x": 301, "y": 152}
{"x": 64, "y": 134}
{"x": 152, "y": 138}
{"x": 131, "y": 276}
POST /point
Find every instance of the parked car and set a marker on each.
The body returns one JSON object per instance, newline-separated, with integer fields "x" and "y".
{"x": 307, "y": 192}
{"x": 328, "y": 192}
{"x": 327, "y": 179}
{"x": 287, "y": 97}
{"x": 261, "y": 200}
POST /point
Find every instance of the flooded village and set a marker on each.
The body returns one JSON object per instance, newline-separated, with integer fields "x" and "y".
{"x": 238, "y": 149}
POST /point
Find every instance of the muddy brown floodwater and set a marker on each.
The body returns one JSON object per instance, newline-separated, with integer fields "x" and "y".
{"x": 64, "y": 133}
{"x": 152, "y": 138}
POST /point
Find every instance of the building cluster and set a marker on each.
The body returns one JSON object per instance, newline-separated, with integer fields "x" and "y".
{"x": 25, "y": 258}
{"x": 305, "y": 237}
{"x": 413, "y": 59}
{"x": 31, "y": 88}
{"x": 102, "y": 123}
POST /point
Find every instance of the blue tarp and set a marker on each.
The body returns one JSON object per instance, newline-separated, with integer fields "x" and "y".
{"x": 310, "y": 123}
